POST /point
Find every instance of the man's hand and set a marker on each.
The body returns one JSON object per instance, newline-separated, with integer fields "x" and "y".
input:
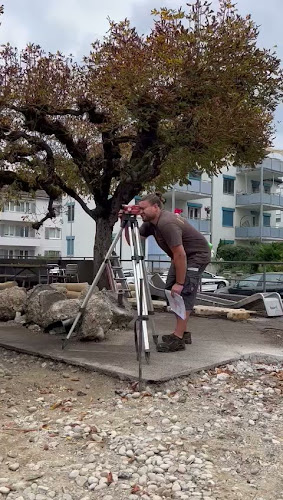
{"x": 176, "y": 289}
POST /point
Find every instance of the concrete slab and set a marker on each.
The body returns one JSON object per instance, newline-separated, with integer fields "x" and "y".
{"x": 215, "y": 342}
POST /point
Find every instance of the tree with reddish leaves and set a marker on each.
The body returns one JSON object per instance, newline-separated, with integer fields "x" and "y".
{"x": 140, "y": 110}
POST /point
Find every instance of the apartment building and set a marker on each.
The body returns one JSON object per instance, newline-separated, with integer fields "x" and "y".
{"x": 17, "y": 237}
{"x": 238, "y": 206}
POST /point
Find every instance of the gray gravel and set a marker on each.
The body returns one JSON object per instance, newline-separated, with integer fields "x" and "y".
{"x": 68, "y": 434}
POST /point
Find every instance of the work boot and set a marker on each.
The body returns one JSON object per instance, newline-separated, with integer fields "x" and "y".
{"x": 187, "y": 337}
{"x": 173, "y": 344}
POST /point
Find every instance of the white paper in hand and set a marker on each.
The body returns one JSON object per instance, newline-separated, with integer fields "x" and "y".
{"x": 177, "y": 304}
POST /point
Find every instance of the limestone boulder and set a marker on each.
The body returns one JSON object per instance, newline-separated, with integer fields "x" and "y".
{"x": 122, "y": 315}
{"x": 60, "y": 311}
{"x": 97, "y": 318}
{"x": 12, "y": 300}
{"x": 39, "y": 301}
{"x": 102, "y": 313}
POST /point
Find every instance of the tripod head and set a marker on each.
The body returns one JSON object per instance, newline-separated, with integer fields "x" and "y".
{"x": 131, "y": 209}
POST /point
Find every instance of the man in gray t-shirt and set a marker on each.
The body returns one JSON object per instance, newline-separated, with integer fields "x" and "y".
{"x": 189, "y": 253}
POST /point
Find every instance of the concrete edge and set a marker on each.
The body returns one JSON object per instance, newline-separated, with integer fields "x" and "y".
{"x": 254, "y": 357}
{"x": 56, "y": 357}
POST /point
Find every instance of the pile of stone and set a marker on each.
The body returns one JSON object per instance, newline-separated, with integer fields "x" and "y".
{"x": 49, "y": 306}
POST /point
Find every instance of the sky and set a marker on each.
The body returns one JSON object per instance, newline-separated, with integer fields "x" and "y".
{"x": 71, "y": 25}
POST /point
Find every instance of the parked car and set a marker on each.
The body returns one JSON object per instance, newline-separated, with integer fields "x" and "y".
{"x": 129, "y": 275}
{"x": 254, "y": 284}
{"x": 209, "y": 283}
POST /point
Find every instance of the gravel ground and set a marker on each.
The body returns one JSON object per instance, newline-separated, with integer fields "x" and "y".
{"x": 69, "y": 434}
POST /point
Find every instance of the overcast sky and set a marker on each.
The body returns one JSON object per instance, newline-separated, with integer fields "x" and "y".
{"x": 71, "y": 25}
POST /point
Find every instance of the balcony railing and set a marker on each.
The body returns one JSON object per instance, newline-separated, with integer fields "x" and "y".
{"x": 202, "y": 225}
{"x": 196, "y": 186}
{"x": 267, "y": 232}
{"x": 271, "y": 164}
{"x": 258, "y": 199}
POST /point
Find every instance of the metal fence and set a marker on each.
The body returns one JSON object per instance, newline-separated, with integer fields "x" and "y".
{"x": 232, "y": 271}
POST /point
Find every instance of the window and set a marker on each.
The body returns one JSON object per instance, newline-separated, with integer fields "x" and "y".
{"x": 250, "y": 282}
{"x": 227, "y": 242}
{"x": 71, "y": 212}
{"x": 6, "y": 253}
{"x": 23, "y": 253}
{"x": 228, "y": 185}
{"x": 52, "y": 253}
{"x": 25, "y": 207}
{"x": 18, "y": 231}
{"x": 194, "y": 210}
{"x": 70, "y": 245}
{"x": 207, "y": 275}
{"x": 266, "y": 187}
{"x": 255, "y": 186}
{"x": 52, "y": 233}
{"x": 194, "y": 213}
{"x": 266, "y": 220}
{"x": 273, "y": 278}
{"x": 58, "y": 209}
{"x": 228, "y": 217}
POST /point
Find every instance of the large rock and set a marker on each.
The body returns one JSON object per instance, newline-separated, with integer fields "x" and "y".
{"x": 8, "y": 284}
{"x": 97, "y": 318}
{"x": 122, "y": 315}
{"x": 12, "y": 300}
{"x": 60, "y": 311}
{"x": 102, "y": 313}
{"x": 39, "y": 301}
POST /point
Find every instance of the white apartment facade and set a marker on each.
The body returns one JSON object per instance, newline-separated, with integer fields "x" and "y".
{"x": 17, "y": 237}
{"x": 78, "y": 233}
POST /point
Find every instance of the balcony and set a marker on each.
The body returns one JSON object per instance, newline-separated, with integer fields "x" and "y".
{"x": 18, "y": 241}
{"x": 257, "y": 199}
{"x": 15, "y": 216}
{"x": 197, "y": 189}
{"x": 202, "y": 225}
{"x": 269, "y": 165}
{"x": 268, "y": 233}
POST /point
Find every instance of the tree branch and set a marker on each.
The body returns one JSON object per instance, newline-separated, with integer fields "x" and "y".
{"x": 36, "y": 120}
{"x": 51, "y": 214}
{"x": 8, "y": 177}
{"x": 71, "y": 192}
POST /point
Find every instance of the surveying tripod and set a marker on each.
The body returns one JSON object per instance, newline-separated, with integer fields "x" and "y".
{"x": 144, "y": 302}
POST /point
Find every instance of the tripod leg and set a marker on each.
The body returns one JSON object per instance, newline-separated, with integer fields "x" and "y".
{"x": 93, "y": 285}
{"x": 143, "y": 277}
{"x": 141, "y": 305}
{"x": 140, "y": 338}
{"x": 147, "y": 293}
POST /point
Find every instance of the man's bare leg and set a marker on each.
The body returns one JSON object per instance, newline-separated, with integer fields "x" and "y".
{"x": 181, "y": 325}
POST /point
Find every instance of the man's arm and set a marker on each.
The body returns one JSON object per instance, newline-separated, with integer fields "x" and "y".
{"x": 180, "y": 263}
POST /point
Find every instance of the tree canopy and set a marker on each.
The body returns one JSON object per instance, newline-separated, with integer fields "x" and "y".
{"x": 195, "y": 92}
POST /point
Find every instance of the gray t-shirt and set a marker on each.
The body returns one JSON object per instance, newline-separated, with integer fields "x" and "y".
{"x": 172, "y": 230}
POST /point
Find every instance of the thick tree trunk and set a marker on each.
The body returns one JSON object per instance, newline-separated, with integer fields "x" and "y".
{"x": 103, "y": 240}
